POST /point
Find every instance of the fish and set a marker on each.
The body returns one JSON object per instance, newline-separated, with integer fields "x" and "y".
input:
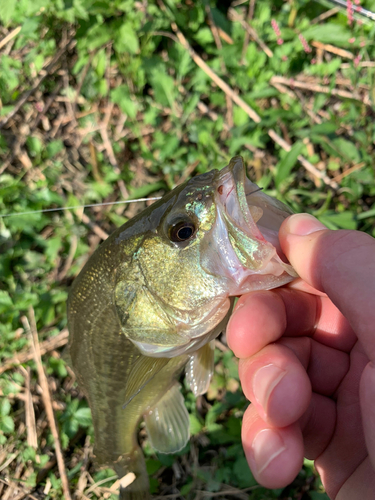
{"x": 151, "y": 300}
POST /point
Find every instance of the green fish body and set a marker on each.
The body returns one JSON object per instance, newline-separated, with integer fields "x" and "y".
{"x": 153, "y": 297}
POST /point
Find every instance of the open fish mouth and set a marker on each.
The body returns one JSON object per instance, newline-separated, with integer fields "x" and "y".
{"x": 248, "y": 252}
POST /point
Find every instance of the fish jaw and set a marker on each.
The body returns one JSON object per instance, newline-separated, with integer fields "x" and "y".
{"x": 243, "y": 246}
{"x": 196, "y": 336}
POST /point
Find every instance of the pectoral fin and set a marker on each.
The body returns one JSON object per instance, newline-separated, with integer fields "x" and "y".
{"x": 167, "y": 423}
{"x": 143, "y": 371}
{"x": 200, "y": 368}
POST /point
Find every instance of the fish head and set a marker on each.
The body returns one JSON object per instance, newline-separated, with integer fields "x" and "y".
{"x": 210, "y": 239}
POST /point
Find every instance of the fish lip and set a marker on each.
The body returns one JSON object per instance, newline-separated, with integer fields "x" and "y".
{"x": 231, "y": 198}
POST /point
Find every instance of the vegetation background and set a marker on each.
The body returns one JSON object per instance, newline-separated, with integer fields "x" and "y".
{"x": 111, "y": 100}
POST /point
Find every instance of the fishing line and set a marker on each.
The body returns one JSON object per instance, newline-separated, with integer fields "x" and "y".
{"x": 255, "y": 191}
{"x": 59, "y": 209}
{"x": 14, "y": 214}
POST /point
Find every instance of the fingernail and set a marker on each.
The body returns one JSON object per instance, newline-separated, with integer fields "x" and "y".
{"x": 264, "y": 382}
{"x": 266, "y": 446}
{"x": 304, "y": 224}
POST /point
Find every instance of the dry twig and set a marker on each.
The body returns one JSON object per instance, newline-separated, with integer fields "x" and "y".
{"x": 349, "y": 171}
{"x": 249, "y": 17}
{"x": 251, "y": 31}
{"x": 215, "y": 33}
{"x": 32, "y": 438}
{"x": 48, "y": 345}
{"x": 326, "y": 15}
{"x": 363, "y": 64}
{"x": 9, "y": 37}
{"x": 30, "y": 326}
{"x": 94, "y": 227}
{"x": 334, "y": 50}
{"x": 321, "y": 88}
{"x": 250, "y": 112}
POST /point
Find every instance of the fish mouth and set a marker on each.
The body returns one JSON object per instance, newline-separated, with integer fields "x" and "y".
{"x": 232, "y": 194}
{"x": 248, "y": 251}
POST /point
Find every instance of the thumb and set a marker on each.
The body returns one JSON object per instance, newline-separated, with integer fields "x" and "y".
{"x": 338, "y": 263}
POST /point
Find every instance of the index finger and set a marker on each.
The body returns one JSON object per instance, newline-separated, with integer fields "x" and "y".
{"x": 261, "y": 318}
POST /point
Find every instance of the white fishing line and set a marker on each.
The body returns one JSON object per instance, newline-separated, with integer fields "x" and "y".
{"x": 14, "y": 214}
{"x": 59, "y": 209}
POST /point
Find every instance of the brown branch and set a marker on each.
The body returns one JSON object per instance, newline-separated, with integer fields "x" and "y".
{"x": 350, "y": 170}
{"x": 363, "y": 64}
{"x": 326, "y": 15}
{"x": 94, "y": 227}
{"x": 30, "y": 326}
{"x": 48, "y": 345}
{"x": 320, "y": 88}
{"x": 70, "y": 258}
{"x": 334, "y": 50}
{"x": 251, "y": 31}
{"x": 32, "y": 438}
{"x": 250, "y": 112}
{"x": 219, "y": 82}
{"x": 249, "y": 17}
{"x": 215, "y": 34}
{"x": 10, "y": 36}
{"x": 284, "y": 90}
{"x": 224, "y": 36}
{"x": 105, "y": 137}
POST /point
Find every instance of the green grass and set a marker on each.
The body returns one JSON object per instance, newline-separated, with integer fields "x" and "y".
{"x": 122, "y": 112}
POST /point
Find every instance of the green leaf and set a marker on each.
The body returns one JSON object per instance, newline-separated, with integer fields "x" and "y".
{"x": 152, "y": 466}
{"x": 35, "y": 145}
{"x": 5, "y": 407}
{"x": 318, "y": 495}
{"x": 7, "y": 9}
{"x": 243, "y": 474}
{"x": 328, "y": 33}
{"x": 164, "y": 87}
{"x": 347, "y": 149}
{"x": 83, "y": 417}
{"x": 186, "y": 488}
{"x": 5, "y": 301}
{"x": 324, "y": 128}
{"x": 54, "y": 147}
{"x": 53, "y": 246}
{"x": 58, "y": 366}
{"x": 343, "y": 220}
{"x": 144, "y": 191}
{"x": 195, "y": 425}
{"x": 367, "y": 214}
{"x": 7, "y": 424}
{"x": 285, "y": 166}
{"x": 126, "y": 39}
{"x": 121, "y": 96}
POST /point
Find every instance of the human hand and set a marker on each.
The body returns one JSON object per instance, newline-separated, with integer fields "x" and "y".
{"x": 307, "y": 363}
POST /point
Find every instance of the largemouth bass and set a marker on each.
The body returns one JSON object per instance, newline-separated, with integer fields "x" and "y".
{"x": 153, "y": 297}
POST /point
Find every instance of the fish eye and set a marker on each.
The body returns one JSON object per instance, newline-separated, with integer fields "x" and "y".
{"x": 182, "y": 231}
